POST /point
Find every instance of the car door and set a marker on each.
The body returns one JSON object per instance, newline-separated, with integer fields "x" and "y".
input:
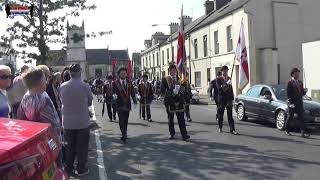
{"x": 252, "y": 101}
{"x": 266, "y": 106}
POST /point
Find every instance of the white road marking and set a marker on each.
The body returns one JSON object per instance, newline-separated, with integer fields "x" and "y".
{"x": 102, "y": 169}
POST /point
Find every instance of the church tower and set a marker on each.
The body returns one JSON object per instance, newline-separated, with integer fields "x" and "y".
{"x": 76, "y": 50}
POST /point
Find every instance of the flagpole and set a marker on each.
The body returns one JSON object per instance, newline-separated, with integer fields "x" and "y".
{"x": 234, "y": 60}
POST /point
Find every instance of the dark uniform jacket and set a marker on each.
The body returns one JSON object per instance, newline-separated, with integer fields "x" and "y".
{"x": 123, "y": 102}
{"x": 108, "y": 92}
{"x": 225, "y": 91}
{"x": 188, "y": 94}
{"x": 213, "y": 86}
{"x": 146, "y": 93}
{"x": 175, "y": 103}
{"x": 295, "y": 92}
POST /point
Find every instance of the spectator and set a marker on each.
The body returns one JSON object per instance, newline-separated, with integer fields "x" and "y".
{"x": 76, "y": 97}
{"x": 36, "y": 104}
{"x": 65, "y": 75}
{"x": 16, "y": 92}
{"x": 5, "y": 82}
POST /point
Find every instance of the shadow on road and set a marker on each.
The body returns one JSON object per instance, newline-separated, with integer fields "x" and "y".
{"x": 196, "y": 159}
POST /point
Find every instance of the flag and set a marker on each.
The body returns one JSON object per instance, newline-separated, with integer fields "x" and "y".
{"x": 114, "y": 63}
{"x": 242, "y": 56}
{"x": 129, "y": 69}
{"x": 181, "y": 56}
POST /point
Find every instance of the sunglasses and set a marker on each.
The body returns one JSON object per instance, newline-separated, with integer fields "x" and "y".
{"x": 6, "y": 76}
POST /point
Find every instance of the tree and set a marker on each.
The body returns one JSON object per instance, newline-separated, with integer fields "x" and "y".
{"x": 44, "y": 27}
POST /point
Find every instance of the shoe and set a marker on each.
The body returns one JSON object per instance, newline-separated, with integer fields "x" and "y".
{"x": 288, "y": 133}
{"x": 189, "y": 120}
{"x": 114, "y": 117}
{"x": 234, "y": 132}
{"x": 124, "y": 139}
{"x": 220, "y": 130}
{"x": 305, "y": 135}
{"x": 171, "y": 137}
{"x": 144, "y": 118}
{"x": 186, "y": 137}
{"x": 150, "y": 120}
{"x": 83, "y": 173}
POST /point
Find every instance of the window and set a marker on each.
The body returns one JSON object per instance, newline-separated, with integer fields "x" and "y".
{"x": 254, "y": 91}
{"x": 98, "y": 72}
{"x": 195, "y": 48}
{"x": 208, "y": 74}
{"x": 162, "y": 57}
{"x": 205, "y": 46}
{"x": 172, "y": 53}
{"x": 147, "y": 61}
{"x": 197, "y": 76}
{"x": 153, "y": 61}
{"x": 157, "y": 56}
{"x": 168, "y": 54}
{"x": 216, "y": 43}
{"x": 229, "y": 39}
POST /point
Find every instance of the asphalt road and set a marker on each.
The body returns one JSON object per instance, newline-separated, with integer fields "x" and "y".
{"x": 259, "y": 152}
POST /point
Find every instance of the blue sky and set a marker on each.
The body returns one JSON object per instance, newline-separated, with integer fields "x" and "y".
{"x": 129, "y": 20}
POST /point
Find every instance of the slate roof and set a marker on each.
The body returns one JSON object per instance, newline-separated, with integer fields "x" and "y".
{"x": 93, "y": 56}
{"x": 220, "y": 13}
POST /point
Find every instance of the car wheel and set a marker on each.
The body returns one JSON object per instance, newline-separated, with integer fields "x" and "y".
{"x": 280, "y": 120}
{"x": 241, "y": 113}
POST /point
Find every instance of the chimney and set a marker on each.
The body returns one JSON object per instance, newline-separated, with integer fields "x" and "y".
{"x": 220, "y": 3}
{"x": 173, "y": 27}
{"x": 187, "y": 20}
{"x": 209, "y": 5}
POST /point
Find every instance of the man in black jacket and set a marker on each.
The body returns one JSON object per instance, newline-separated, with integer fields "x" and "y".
{"x": 174, "y": 100}
{"x": 123, "y": 89}
{"x": 108, "y": 97}
{"x": 225, "y": 99}
{"x": 295, "y": 92}
{"x": 146, "y": 93}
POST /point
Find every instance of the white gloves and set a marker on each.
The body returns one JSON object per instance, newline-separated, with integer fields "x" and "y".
{"x": 176, "y": 89}
{"x": 115, "y": 96}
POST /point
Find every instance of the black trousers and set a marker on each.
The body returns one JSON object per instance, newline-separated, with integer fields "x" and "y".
{"x": 299, "y": 111}
{"x": 111, "y": 108}
{"x": 187, "y": 111}
{"x": 146, "y": 108}
{"x": 181, "y": 122}
{"x": 221, "y": 107}
{"x": 77, "y": 144}
{"x": 123, "y": 121}
{"x": 217, "y": 112}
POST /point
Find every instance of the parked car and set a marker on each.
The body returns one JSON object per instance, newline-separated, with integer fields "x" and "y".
{"x": 273, "y": 108}
{"x": 28, "y": 150}
{"x": 195, "y": 95}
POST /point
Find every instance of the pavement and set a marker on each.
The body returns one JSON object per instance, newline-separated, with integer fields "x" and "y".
{"x": 259, "y": 152}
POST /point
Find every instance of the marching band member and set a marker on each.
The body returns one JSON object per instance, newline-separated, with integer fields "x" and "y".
{"x": 108, "y": 96}
{"x": 225, "y": 99}
{"x": 123, "y": 89}
{"x": 174, "y": 101}
{"x": 146, "y": 94}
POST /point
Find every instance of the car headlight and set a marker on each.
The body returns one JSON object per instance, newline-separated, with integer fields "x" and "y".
{"x": 307, "y": 112}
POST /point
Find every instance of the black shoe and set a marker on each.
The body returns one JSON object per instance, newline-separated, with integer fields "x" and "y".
{"x": 124, "y": 139}
{"x": 83, "y": 173}
{"x": 288, "y": 133}
{"x": 305, "y": 135}
{"x": 144, "y": 118}
{"x": 171, "y": 137}
{"x": 220, "y": 130}
{"x": 189, "y": 120}
{"x": 114, "y": 117}
{"x": 234, "y": 132}
{"x": 186, "y": 137}
{"x": 150, "y": 120}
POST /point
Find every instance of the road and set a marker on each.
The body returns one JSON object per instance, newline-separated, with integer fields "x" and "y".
{"x": 259, "y": 152}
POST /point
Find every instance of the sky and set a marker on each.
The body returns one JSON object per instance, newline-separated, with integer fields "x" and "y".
{"x": 130, "y": 21}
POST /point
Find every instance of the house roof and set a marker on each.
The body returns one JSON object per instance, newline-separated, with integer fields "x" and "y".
{"x": 97, "y": 56}
{"x": 220, "y": 13}
{"x": 93, "y": 56}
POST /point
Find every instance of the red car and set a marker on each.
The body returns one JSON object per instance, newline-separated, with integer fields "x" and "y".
{"x": 28, "y": 150}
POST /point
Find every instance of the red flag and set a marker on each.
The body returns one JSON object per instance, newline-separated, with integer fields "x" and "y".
{"x": 242, "y": 56}
{"x": 181, "y": 57}
{"x": 129, "y": 69}
{"x": 114, "y": 63}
